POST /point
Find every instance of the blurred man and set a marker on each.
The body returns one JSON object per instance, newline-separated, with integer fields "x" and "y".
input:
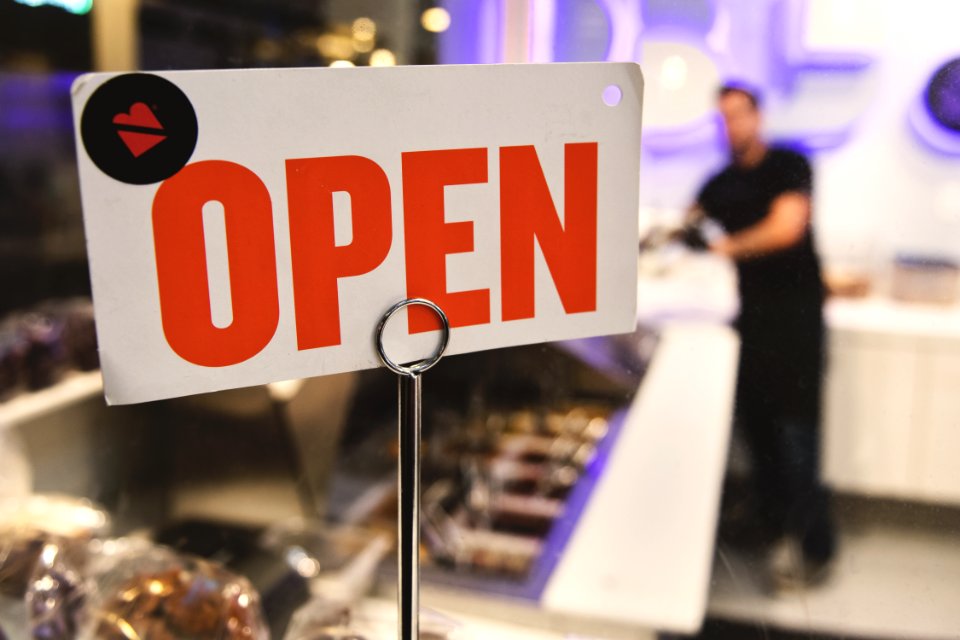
{"x": 762, "y": 199}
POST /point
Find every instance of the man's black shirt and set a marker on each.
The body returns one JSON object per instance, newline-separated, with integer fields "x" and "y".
{"x": 738, "y": 198}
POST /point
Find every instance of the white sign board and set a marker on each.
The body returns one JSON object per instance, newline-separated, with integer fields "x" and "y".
{"x": 251, "y": 226}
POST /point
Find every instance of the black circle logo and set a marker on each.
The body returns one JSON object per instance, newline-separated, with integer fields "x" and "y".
{"x": 139, "y": 128}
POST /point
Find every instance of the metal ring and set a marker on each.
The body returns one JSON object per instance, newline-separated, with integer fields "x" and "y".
{"x": 418, "y": 367}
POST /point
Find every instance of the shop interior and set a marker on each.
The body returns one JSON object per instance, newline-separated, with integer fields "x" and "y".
{"x": 593, "y": 488}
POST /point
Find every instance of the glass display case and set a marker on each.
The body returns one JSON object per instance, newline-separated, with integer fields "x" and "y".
{"x": 293, "y": 486}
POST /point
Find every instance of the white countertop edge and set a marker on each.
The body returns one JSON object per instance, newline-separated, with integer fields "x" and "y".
{"x": 883, "y": 316}
{"x": 642, "y": 550}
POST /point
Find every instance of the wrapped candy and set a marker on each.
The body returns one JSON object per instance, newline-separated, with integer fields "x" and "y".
{"x": 19, "y": 553}
{"x": 79, "y": 334}
{"x": 44, "y": 359}
{"x": 39, "y": 345}
{"x": 152, "y": 592}
{"x": 29, "y": 523}
{"x": 55, "y": 597}
{"x": 43, "y": 543}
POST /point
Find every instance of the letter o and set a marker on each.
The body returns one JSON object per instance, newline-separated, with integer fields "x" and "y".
{"x": 182, "y": 263}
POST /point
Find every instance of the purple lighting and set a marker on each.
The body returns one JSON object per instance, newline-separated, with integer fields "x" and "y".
{"x": 34, "y": 102}
{"x": 582, "y": 31}
{"x": 934, "y": 115}
{"x": 934, "y": 135}
{"x": 943, "y": 95}
{"x": 788, "y": 41}
{"x": 694, "y": 16}
{"x": 625, "y": 27}
{"x": 475, "y": 34}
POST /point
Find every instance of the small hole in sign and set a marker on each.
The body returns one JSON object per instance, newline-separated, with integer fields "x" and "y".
{"x": 612, "y": 95}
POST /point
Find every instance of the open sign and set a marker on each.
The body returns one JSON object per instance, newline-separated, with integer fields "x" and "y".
{"x": 251, "y": 226}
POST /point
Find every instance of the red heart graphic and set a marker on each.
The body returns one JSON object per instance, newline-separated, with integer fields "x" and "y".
{"x": 140, "y": 115}
{"x": 145, "y": 131}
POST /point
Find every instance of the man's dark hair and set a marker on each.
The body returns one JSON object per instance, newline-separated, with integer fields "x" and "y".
{"x": 744, "y": 89}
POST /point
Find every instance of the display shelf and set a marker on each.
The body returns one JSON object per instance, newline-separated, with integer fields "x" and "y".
{"x": 74, "y": 387}
{"x": 638, "y": 555}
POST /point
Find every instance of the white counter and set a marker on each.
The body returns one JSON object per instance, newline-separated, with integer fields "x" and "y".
{"x": 892, "y": 408}
{"x": 642, "y": 550}
{"x": 687, "y": 286}
{"x": 880, "y": 315}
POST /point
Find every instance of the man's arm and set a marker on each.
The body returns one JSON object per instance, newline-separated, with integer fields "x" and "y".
{"x": 784, "y": 226}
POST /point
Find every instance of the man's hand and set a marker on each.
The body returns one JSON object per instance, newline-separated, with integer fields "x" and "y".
{"x": 723, "y": 247}
{"x": 784, "y": 226}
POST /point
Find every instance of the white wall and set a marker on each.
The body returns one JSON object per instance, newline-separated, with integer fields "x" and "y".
{"x": 884, "y": 191}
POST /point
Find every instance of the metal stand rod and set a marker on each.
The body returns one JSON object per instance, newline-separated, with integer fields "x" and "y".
{"x": 408, "y": 523}
{"x": 408, "y": 469}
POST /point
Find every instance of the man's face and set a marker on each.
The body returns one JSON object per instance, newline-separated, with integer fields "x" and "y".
{"x": 741, "y": 121}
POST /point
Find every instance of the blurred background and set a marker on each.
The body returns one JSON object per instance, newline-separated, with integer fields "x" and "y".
{"x": 869, "y": 90}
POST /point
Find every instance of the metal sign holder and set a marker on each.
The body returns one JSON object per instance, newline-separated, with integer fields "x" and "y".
{"x": 408, "y": 468}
